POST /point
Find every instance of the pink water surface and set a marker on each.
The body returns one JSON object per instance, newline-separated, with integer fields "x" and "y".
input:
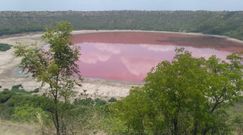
{"x": 129, "y": 62}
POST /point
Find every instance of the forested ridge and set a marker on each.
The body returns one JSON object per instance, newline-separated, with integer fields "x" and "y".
{"x": 221, "y": 23}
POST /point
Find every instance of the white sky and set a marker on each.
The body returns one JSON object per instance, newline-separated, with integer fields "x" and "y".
{"x": 97, "y": 5}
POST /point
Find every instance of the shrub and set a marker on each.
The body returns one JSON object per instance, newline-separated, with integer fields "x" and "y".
{"x": 4, "y": 47}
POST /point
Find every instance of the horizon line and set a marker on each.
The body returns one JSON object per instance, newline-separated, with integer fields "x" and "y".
{"x": 115, "y": 10}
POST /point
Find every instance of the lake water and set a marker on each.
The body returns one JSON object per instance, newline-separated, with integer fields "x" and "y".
{"x": 130, "y": 62}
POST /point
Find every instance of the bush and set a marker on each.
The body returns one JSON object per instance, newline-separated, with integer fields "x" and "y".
{"x": 19, "y": 103}
{"x": 84, "y": 115}
{"x": 112, "y": 99}
{"x": 4, "y": 47}
{"x": 4, "y": 96}
{"x": 28, "y": 113}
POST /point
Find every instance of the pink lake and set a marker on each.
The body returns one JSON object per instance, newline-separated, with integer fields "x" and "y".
{"x": 130, "y": 62}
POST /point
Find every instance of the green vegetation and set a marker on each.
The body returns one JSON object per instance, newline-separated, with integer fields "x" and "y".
{"x": 220, "y": 23}
{"x": 88, "y": 116}
{"x": 54, "y": 68}
{"x": 188, "y": 96}
{"x": 84, "y": 115}
{"x": 19, "y": 105}
{"x": 4, "y": 47}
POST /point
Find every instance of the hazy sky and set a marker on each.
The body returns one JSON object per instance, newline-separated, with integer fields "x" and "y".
{"x": 96, "y": 5}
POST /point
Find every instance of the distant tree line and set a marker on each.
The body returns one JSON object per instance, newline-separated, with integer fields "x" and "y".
{"x": 208, "y": 22}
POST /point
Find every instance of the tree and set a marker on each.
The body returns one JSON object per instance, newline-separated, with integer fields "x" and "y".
{"x": 185, "y": 96}
{"x": 55, "y": 68}
{"x": 136, "y": 107}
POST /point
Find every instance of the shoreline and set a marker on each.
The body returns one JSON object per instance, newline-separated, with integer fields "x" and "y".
{"x": 96, "y": 88}
{"x": 38, "y": 34}
{"x": 164, "y": 32}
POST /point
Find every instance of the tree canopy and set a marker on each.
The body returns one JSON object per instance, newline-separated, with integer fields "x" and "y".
{"x": 186, "y": 96}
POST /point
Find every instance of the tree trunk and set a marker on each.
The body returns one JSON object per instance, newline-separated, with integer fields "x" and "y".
{"x": 57, "y": 114}
{"x": 57, "y": 123}
{"x": 175, "y": 126}
{"x": 195, "y": 128}
{"x": 204, "y": 131}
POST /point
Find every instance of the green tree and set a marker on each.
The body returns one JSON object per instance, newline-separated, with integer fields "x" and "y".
{"x": 135, "y": 108}
{"x": 54, "y": 67}
{"x": 185, "y": 96}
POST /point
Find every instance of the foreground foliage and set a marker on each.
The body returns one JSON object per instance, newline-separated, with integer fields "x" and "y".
{"x": 187, "y": 96}
{"x": 55, "y": 68}
{"x": 85, "y": 116}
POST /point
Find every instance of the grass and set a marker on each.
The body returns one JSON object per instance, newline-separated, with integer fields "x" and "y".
{"x": 12, "y": 128}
